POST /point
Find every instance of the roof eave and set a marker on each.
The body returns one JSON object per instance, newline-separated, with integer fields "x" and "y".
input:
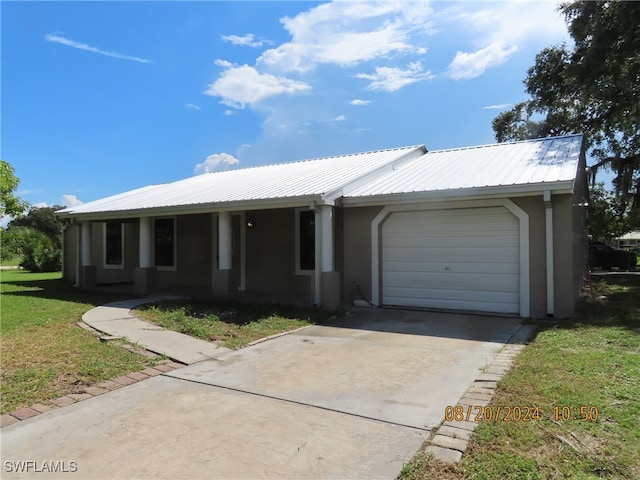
{"x": 565, "y": 187}
{"x": 244, "y": 205}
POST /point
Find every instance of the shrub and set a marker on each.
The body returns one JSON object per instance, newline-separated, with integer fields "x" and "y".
{"x": 37, "y": 251}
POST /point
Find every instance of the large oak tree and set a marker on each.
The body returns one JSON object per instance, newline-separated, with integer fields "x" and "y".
{"x": 591, "y": 87}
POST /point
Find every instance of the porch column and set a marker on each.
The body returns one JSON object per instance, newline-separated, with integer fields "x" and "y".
{"x": 88, "y": 271}
{"x": 144, "y": 243}
{"x": 222, "y": 275}
{"x": 145, "y": 272}
{"x": 329, "y": 278}
{"x": 224, "y": 241}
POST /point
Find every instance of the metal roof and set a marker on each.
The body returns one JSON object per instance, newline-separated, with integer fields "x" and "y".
{"x": 357, "y": 178}
{"x": 296, "y": 180}
{"x": 544, "y": 161}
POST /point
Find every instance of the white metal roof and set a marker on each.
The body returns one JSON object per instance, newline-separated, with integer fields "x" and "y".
{"x": 358, "y": 178}
{"x": 545, "y": 162}
{"x": 296, "y": 180}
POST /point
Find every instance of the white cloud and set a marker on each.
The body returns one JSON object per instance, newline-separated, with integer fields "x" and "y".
{"x": 89, "y": 48}
{"x": 340, "y": 118}
{"x": 244, "y": 85}
{"x": 390, "y": 79}
{"x": 228, "y": 113}
{"x": 346, "y": 33}
{"x": 500, "y": 106}
{"x": 192, "y": 106}
{"x": 40, "y": 205}
{"x": 498, "y": 31}
{"x": 247, "y": 40}
{"x": 358, "y": 103}
{"x": 69, "y": 200}
{"x": 471, "y": 65}
{"x": 224, "y": 63}
{"x": 214, "y": 161}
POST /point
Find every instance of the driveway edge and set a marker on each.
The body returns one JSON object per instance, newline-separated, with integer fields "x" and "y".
{"x": 450, "y": 440}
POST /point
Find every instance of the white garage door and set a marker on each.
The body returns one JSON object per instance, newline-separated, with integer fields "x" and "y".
{"x": 461, "y": 259}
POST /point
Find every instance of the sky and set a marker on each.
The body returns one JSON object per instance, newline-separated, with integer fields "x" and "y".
{"x": 98, "y": 98}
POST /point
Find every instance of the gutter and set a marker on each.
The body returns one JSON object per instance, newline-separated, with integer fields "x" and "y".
{"x": 530, "y": 189}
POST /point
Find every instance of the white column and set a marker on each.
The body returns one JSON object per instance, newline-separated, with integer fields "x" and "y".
{"x": 86, "y": 243}
{"x": 243, "y": 252}
{"x": 317, "y": 294}
{"x": 144, "y": 243}
{"x": 548, "y": 216}
{"x": 327, "y": 262}
{"x": 224, "y": 241}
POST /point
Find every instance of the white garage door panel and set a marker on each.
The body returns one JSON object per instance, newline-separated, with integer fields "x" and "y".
{"x": 465, "y": 259}
{"x": 453, "y": 281}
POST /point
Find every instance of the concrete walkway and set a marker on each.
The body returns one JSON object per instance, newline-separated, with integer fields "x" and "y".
{"x": 116, "y": 320}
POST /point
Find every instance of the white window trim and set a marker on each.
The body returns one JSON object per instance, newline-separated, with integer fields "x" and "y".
{"x": 520, "y": 214}
{"x": 299, "y": 271}
{"x": 164, "y": 268}
{"x": 112, "y": 266}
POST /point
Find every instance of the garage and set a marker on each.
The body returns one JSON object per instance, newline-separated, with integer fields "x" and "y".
{"x": 458, "y": 259}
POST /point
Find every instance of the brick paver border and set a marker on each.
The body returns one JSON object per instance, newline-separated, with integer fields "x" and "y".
{"x": 24, "y": 413}
{"x": 450, "y": 440}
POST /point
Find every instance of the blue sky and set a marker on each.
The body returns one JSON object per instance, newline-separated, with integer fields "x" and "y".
{"x": 104, "y": 97}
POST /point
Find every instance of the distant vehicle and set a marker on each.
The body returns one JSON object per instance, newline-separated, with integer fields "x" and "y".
{"x": 605, "y": 256}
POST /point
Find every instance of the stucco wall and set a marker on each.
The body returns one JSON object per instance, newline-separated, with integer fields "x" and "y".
{"x": 114, "y": 275}
{"x": 270, "y": 258}
{"x": 70, "y": 253}
{"x": 356, "y": 252}
{"x": 534, "y": 207}
{"x": 193, "y": 256}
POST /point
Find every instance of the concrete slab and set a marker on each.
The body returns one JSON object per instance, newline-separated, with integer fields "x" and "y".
{"x": 116, "y": 320}
{"x": 395, "y": 366}
{"x": 351, "y": 400}
{"x": 168, "y": 428}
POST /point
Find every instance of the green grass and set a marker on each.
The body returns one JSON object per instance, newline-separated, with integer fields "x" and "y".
{"x": 232, "y": 325}
{"x": 44, "y": 353}
{"x": 591, "y": 360}
{"x": 10, "y": 262}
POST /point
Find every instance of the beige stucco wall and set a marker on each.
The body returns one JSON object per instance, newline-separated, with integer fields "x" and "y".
{"x": 70, "y": 253}
{"x": 270, "y": 259}
{"x": 193, "y": 257}
{"x": 356, "y": 252}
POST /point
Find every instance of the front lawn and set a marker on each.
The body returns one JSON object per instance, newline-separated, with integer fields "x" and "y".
{"x": 231, "y": 325}
{"x": 591, "y": 361}
{"x": 44, "y": 353}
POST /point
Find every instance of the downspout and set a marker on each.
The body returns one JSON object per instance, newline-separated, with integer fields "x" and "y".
{"x": 548, "y": 217}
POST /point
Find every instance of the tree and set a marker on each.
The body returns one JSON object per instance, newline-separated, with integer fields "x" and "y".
{"x": 37, "y": 238}
{"x": 592, "y": 87}
{"x": 10, "y": 204}
{"x": 43, "y": 220}
{"x": 605, "y": 221}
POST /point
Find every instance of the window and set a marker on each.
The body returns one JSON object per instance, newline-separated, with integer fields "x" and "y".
{"x": 164, "y": 243}
{"x": 305, "y": 241}
{"x": 113, "y": 245}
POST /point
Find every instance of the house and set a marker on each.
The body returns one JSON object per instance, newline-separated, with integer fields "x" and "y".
{"x": 495, "y": 228}
{"x": 628, "y": 241}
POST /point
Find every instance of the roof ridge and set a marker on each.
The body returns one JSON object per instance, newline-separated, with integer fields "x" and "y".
{"x": 513, "y": 142}
{"x": 315, "y": 159}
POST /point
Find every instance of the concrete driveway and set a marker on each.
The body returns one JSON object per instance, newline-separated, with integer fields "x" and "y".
{"x": 353, "y": 400}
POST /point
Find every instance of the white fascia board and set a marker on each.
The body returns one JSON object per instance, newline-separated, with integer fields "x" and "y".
{"x": 331, "y": 197}
{"x": 243, "y": 205}
{"x": 465, "y": 193}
